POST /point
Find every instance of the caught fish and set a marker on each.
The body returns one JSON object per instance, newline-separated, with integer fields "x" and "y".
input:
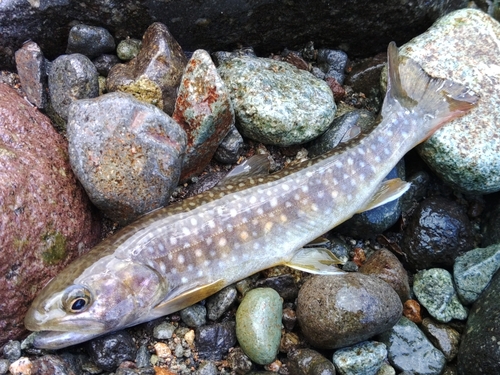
{"x": 181, "y": 254}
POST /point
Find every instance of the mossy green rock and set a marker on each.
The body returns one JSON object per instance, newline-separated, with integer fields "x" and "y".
{"x": 258, "y": 324}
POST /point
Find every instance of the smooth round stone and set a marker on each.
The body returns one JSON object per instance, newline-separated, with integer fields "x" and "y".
{"x": 309, "y": 362}
{"x": 90, "y": 41}
{"x": 435, "y": 291}
{"x": 128, "y": 48}
{"x": 276, "y": 103}
{"x": 109, "y": 351}
{"x": 365, "y": 358}
{"x": 442, "y": 337}
{"x": 194, "y": 316}
{"x": 258, "y": 324}
{"x": 220, "y": 302}
{"x": 337, "y": 311}
{"x": 163, "y": 331}
{"x": 474, "y": 270}
{"x": 409, "y": 350}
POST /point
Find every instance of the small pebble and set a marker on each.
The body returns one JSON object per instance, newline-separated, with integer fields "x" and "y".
{"x": 411, "y": 310}
{"x": 220, "y": 302}
{"x": 22, "y": 366}
{"x": 189, "y": 337}
{"x": 12, "y": 350}
{"x": 194, "y": 315}
{"x": 386, "y": 369}
{"x": 239, "y": 361}
{"x": 364, "y": 358}
{"x": 289, "y": 341}
{"x": 163, "y": 331}
{"x": 309, "y": 362}
{"x": 143, "y": 357}
{"x": 207, "y": 368}
{"x": 104, "y": 63}
{"x": 128, "y": 49}
{"x": 284, "y": 284}
{"x": 230, "y": 148}
{"x": 162, "y": 350}
{"x": 289, "y": 318}
{"x": 111, "y": 350}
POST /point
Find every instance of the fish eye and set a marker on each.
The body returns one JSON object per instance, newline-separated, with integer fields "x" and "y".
{"x": 76, "y": 299}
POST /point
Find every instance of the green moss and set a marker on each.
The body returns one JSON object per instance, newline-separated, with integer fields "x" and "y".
{"x": 56, "y": 247}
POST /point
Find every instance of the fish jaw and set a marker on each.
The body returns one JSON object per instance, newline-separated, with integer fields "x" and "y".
{"x": 54, "y": 340}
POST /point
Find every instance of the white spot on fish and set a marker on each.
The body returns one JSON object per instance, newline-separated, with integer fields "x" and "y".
{"x": 338, "y": 164}
{"x": 170, "y": 256}
{"x": 173, "y": 241}
{"x": 194, "y": 221}
{"x": 273, "y": 202}
{"x": 186, "y": 231}
{"x": 199, "y": 273}
{"x": 163, "y": 268}
{"x": 233, "y": 212}
{"x": 304, "y": 188}
{"x": 211, "y": 224}
{"x": 285, "y": 187}
{"x": 229, "y": 227}
{"x": 377, "y": 159}
{"x": 190, "y": 267}
{"x": 198, "y": 253}
{"x": 260, "y": 211}
{"x": 335, "y": 181}
{"x": 206, "y": 263}
{"x": 222, "y": 241}
{"x": 151, "y": 249}
{"x": 208, "y": 241}
{"x": 350, "y": 161}
{"x": 314, "y": 207}
{"x": 252, "y": 199}
{"x": 387, "y": 151}
{"x": 180, "y": 259}
{"x": 361, "y": 151}
{"x": 362, "y": 164}
{"x": 288, "y": 204}
{"x": 296, "y": 197}
{"x": 184, "y": 280}
{"x": 213, "y": 253}
{"x": 361, "y": 177}
{"x": 321, "y": 194}
{"x": 349, "y": 197}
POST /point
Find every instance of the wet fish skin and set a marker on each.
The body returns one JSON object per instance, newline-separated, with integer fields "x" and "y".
{"x": 183, "y": 253}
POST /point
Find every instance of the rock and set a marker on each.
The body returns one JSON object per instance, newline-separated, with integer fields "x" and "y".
{"x": 473, "y": 271}
{"x": 443, "y": 337}
{"x": 194, "y": 316}
{"x": 387, "y": 267}
{"x": 420, "y": 182}
{"x": 109, "y": 351}
{"x": 104, "y": 63}
{"x": 229, "y": 149}
{"x": 204, "y": 110}
{"x": 163, "y": 331}
{"x": 276, "y": 103}
{"x": 125, "y": 153}
{"x": 207, "y": 368}
{"x": 32, "y": 69}
{"x": 289, "y": 318}
{"x": 12, "y": 350}
{"x": 143, "y": 358}
{"x": 489, "y": 226}
{"x": 365, "y": 358}
{"x": 128, "y": 49}
{"x": 239, "y": 361}
{"x": 337, "y": 311}
{"x": 435, "y": 291}
{"x": 479, "y": 351}
{"x": 284, "y": 284}
{"x": 412, "y": 311}
{"x": 51, "y": 364}
{"x": 258, "y": 324}
{"x": 90, "y": 41}
{"x": 23, "y": 366}
{"x": 332, "y": 63}
{"x": 220, "y": 302}
{"x": 437, "y": 232}
{"x": 46, "y": 218}
{"x": 214, "y": 341}
{"x": 409, "y": 350}
{"x": 309, "y": 362}
{"x": 4, "y": 366}
{"x": 155, "y": 74}
{"x": 365, "y": 76}
{"x": 466, "y": 152}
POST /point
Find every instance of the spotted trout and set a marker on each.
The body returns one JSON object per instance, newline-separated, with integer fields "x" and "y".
{"x": 183, "y": 253}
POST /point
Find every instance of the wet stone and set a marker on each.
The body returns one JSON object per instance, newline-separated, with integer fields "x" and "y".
{"x": 365, "y": 76}
{"x": 128, "y": 49}
{"x": 437, "y": 232}
{"x": 332, "y": 63}
{"x": 409, "y": 350}
{"x": 443, "y": 337}
{"x": 309, "y": 362}
{"x": 412, "y": 311}
{"x": 109, "y": 351}
{"x": 258, "y": 324}
{"x": 143, "y": 358}
{"x": 90, "y": 41}
{"x": 489, "y": 226}
{"x": 214, "y": 341}
{"x": 230, "y": 148}
{"x": 386, "y": 369}
{"x": 387, "y": 267}
{"x": 364, "y": 358}
{"x": 473, "y": 271}
{"x": 219, "y": 303}
{"x": 71, "y": 77}
{"x": 155, "y": 74}
{"x": 239, "y": 361}
{"x": 51, "y": 364}
{"x": 4, "y": 366}
{"x": 136, "y": 147}
{"x": 207, "y": 368}
{"x": 104, "y": 63}
{"x": 204, "y": 110}
{"x": 12, "y": 350}
{"x": 435, "y": 291}
{"x": 194, "y": 316}
{"x": 285, "y": 285}
{"x": 32, "y": 69}
{"x": 163, "y": 331}
{"x": 276, "y": 103}
{"x": 337, "y": 311}
{"x": 289, "y": 318}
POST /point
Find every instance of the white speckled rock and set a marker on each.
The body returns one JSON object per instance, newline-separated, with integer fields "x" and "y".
{"x": 464, "y": 46}
{"x": 276, "y": 103}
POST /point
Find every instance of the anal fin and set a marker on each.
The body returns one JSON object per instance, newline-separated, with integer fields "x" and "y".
{"x": 319, "y": 261}
{"x": 388, "y": 191}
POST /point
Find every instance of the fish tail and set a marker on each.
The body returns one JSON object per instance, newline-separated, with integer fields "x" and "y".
{"x": 434, "y": 100}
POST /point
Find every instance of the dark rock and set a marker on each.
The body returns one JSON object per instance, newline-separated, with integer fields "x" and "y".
{"x": 337, "y": 311}
{"x": 365, "y": 77}
{"x": 437, "y": 233}
{"x": 239, "y": 361}
{"x": 289, "y": 318}
{"x": 109, "y": 351}
{"x": 387, "y": 267}
{"x": 71, "y": 77}
{"x": 204, "y": 110}
{"x": 214, "y": 341}
{"x": 155, "y": 74}
{"x": 125, "y": 153}
{"x": 104, "y": 63}
{"x": 229, "y": 149}
{"x": 479, "y": 351}
{"x": 12, "y": 350}
{"x": 90, "y": 41}
{"x": 284, "y": 284}
{"x": 32, "y": 69}
{"x": 51, "y": 364}
{"x": 332, "y": 63}
{"x": 418, "y": 190}
{"x": 219, "y": 303}
{"x": 45, "y": 216}
{"x": 443, "y": 337}
{"x": 309, "y": 362}
{"x": 490, "y": 225}
{"x": 194, "y": 316}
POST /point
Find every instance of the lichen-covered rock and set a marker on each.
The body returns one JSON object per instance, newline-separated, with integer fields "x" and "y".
{"x": 276, "y": 103}
{"x": 204, "y": 110}
{"x": 337, "y": 311}
{"x": 155, "y": 74}
{"x": 45, "y": 216}
{"x": 364, "y": 358}
{"x": 127, "y": 154}
{"x": 466, "y": 152}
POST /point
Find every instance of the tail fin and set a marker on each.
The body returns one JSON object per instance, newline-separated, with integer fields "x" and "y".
{"x": 438, "y": 100}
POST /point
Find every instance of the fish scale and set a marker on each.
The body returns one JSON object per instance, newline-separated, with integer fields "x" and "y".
{"x": 181, "y": 254}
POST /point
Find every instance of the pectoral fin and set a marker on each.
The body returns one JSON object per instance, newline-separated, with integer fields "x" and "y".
{"x": 388, "y": 191}
{"x": 188, "y": 298}
{"x": 319, "y": 261}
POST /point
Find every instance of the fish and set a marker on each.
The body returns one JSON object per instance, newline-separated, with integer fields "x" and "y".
{"x": 181, "y": 254}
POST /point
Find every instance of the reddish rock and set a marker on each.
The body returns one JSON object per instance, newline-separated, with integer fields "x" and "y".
{"x": 412, "y": 311}
{"x": 203, "y": 108}
{"x": 45, "y": 216}
{"x": 155, "y": 74}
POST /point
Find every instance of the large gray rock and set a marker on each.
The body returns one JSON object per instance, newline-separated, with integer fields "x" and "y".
{"x": 361, "y": 27}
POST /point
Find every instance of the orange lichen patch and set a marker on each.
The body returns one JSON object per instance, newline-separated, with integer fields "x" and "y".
{"x": 411, "y": 310}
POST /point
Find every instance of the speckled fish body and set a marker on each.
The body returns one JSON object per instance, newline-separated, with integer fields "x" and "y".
{"x": 183, "y": 253}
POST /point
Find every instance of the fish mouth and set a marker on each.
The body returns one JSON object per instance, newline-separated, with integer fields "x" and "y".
{"x": 54, "y": 340}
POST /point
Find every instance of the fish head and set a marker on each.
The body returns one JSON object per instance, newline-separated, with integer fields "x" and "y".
{"x": 104, "y": 298}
